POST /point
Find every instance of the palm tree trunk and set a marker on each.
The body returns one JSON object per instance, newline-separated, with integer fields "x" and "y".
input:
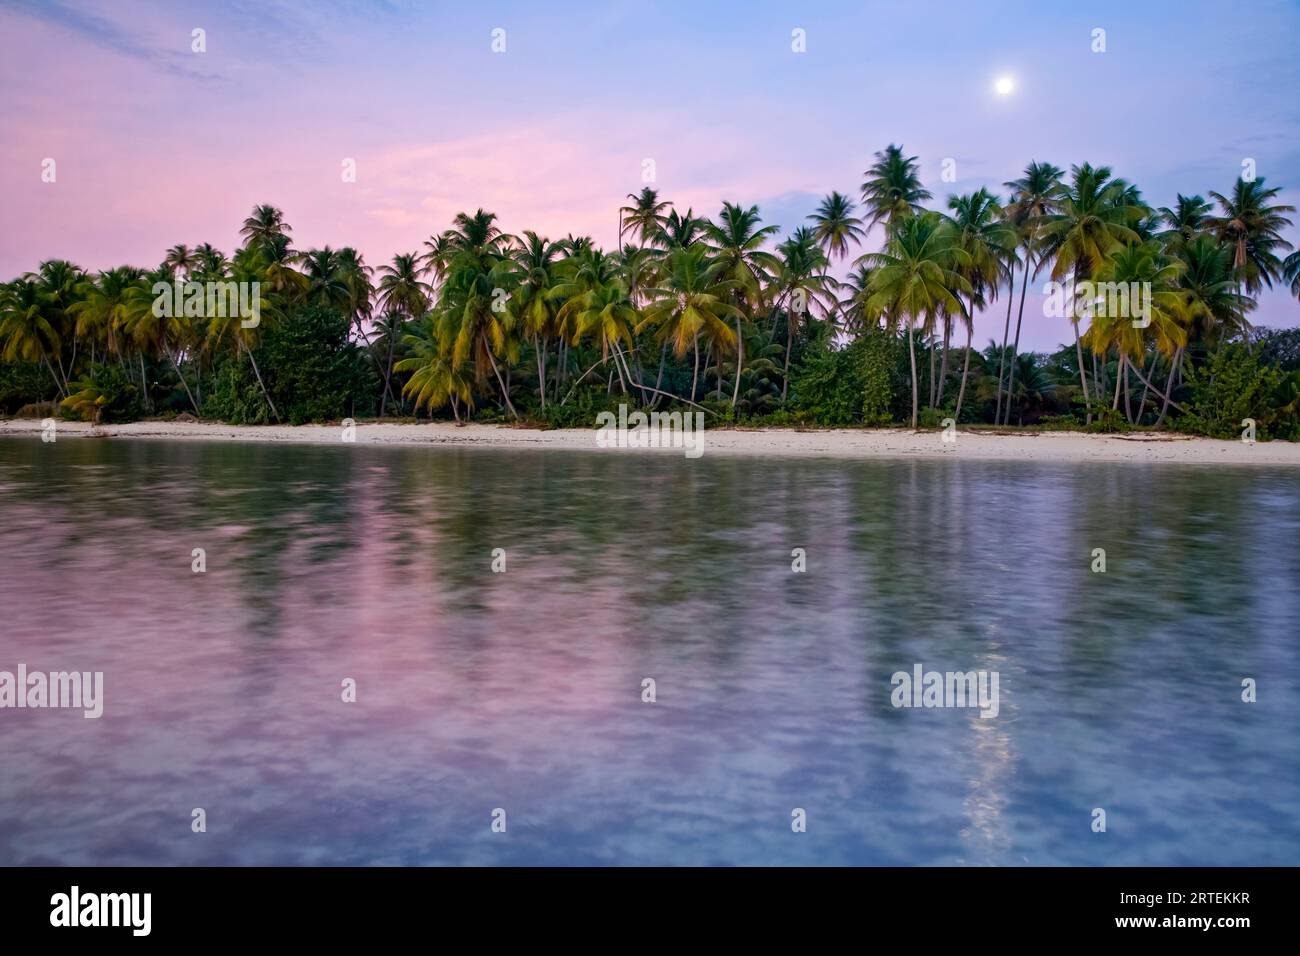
{"x": 943, "y": 364}
{"x": 539, "y": 348}
{"x": 258, "y": 373}
{"x": 144, "y": 383}
{"x": 181, "y": 376}
{"x": 388, "y": 372}
{"x": 505, "y": 392}
{"x": 965, "y": 369}
{"x": 740, "y": 363}
{"x": 1006, "y": 333}
{"x": 1083, "y": 377}
{"x": 930, "y": 385}
{"x": 695, "y": 374}
{"x": 54, "y": 375}
{"x": 911, "y": 353}
{"x": 1015, "y": 349}
{"x": 1169, "y": 387}
{"x": 1114, "y": 406}
{"x": 789, "y": 338}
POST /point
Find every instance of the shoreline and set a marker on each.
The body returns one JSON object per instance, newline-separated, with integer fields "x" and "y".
{"x": 845, "y": 443}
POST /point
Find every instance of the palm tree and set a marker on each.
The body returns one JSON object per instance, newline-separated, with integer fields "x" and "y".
{"x": 180, "y": 258}
{"x": 737, "y": 244}
{"x": 1189, "y": 217}
{"x": 1212, "y": 305}
{"x": 1252, "y": 225}
{"x": 264, "y": 226}
{"x": 434, "y": 380}
{"x": 916, "y": 275}
{"x": 247, "y": 266}
{"x": 403, "y": 296}
{"x": 801, "y": 281}
{"x": 472, "y": 312}
{"x": 1138, "y": 266}
{"x": 26, "y": 331}
{"x": 836, "y": 226}
{"x": 532, "y": 302}
{"x": 680, "y": 230}
{"x": 1034, "y": 196}
{"x": 692, "y": 300}
{"x": 1094, "y": 216}
{"x": 891, "y": 189}
{"x": 644, "y": 217}
{"x": 157, "y": 332}
{"x": 987, "y": 241}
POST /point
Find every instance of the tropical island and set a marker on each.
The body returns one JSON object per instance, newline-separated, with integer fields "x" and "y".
{"x": 711, "y": 315}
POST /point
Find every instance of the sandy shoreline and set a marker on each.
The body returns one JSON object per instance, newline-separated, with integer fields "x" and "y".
{"x": 772, "y": 442}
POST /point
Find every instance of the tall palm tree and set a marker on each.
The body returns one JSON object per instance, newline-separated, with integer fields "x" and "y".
{"x": 1251, "y": 224}
{"x": 532, "y": 301}
{"x": 836, "y": 226}
{"x": 987, "y": 242}
{"x": 1034, "y": 196}
{"x": 800, "y": 282}
{"x": 1094, "y": 216}
{"x": 1189, "y": 217}
{"x": 403, "y": 296}
{"x": 691, "y": 301}
{"x": 680, "y": 230}
{"x": 737, "y": 241}
{"x": 180, "y": 258}
{"x": 891, "y": 188}
{"x": 916, "y": 275}
{"x": 471, "y": 312}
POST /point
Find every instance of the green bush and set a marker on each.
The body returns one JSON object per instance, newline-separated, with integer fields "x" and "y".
{"x": 105, "y": 394}
{"x": 23, "y": 383}
{"x": 1234, "y": 385}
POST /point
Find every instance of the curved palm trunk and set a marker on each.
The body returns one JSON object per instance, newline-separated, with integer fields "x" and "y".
{"x": 1119, "y": 374}
{"x": 258, "y": 372}
{"x": 505, "y": 392}
{"x": 965, "y": 370}
{"x": 181, "y": 375}
{"x": 1083, "y": 375}
{"x": 388, "y": 376}
{"x": 1169, "y": 386}
{"x": 1015, "y": 349}
{"x": 740, "y": 364}
{"x": 144, "y": 383}
{"x": 54, "y": 375}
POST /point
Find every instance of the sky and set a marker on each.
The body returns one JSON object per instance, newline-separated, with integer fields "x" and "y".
{"x": 155, "y": 144}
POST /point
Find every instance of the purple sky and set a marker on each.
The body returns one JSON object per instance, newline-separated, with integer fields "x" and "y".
{"x": 156, "y": 145}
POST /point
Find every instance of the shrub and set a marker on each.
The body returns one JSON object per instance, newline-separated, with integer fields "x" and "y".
{"x": 1234, "y": 385}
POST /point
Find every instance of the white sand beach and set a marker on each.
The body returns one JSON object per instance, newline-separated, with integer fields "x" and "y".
{"x": 771, "y": 442}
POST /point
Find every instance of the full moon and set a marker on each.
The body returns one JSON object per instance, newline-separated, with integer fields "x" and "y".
{"x": 1004, "y": 85}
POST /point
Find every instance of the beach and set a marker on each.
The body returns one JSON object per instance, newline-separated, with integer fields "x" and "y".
{"x": 767, "y": 442}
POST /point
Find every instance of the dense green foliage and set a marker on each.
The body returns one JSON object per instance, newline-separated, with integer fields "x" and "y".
{"x": 692, "y": 312}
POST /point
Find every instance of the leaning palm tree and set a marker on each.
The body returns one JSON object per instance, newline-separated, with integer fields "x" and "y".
{"x": 736, "y": 242}
{"x": 404, "y": 296}
{"x": 247, "y": 266}
{"x": 836, "y": 226}
{"x": 691, "y": 301}
{"x": 916, "y": 275}
{"x": 891, "y": 189}
{"x": 1251, "y": 223}
{"x": 1094, "y": 217}
{"x": 1034, "y": 196}
{"x": 988, "y": 242}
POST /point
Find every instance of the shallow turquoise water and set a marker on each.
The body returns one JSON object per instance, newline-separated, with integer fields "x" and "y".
{"x": 522, "y": 690}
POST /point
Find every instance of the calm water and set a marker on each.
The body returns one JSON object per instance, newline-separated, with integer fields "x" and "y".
{"x": 522, "y": 690}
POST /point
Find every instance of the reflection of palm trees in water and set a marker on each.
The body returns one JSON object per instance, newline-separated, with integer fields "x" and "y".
{"x": 985, "y": 835}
